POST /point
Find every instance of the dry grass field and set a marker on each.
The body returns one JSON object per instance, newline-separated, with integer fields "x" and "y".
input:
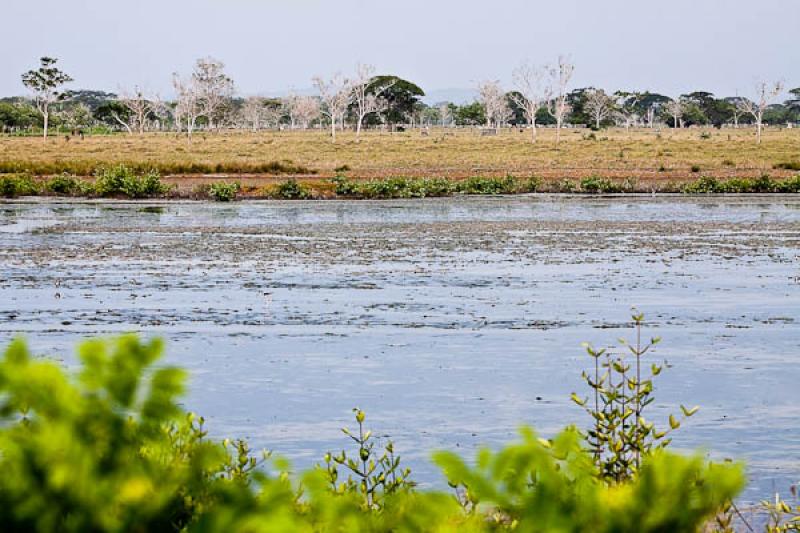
{"x": 261, "y": 158}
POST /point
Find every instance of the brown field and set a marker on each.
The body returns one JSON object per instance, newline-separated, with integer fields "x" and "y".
{"x": 649, "y": 156}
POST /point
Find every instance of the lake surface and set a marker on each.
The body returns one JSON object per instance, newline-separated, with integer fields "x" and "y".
{"x": 449, "y": 321}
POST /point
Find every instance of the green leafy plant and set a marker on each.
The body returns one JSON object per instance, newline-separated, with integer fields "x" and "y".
{"x": 371, "y": 476}
{"x": 621, "y": 390}
{"x": 483, "y": 185}
{"x": 14, "y": 185}
{"x": 121, "y": 180}
{"x": 292, "y": 190}
{"x": 64, "y": 184}
{"x": 551, "y": 485}
{"x": 109, "y": 448}
{"x": 595, "y": 185}
{"x": 222, "y": 191}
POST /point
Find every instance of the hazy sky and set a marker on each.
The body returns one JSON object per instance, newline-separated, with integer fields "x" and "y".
{"x": 672, "y": 46}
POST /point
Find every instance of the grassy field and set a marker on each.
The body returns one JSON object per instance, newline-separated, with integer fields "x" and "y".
{"x": 649, "y": 156}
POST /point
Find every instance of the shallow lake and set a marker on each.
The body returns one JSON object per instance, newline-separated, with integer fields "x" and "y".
{"x": 449, "y": 321}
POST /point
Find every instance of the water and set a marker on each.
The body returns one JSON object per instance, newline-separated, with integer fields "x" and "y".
{"x": 450, "y": 321}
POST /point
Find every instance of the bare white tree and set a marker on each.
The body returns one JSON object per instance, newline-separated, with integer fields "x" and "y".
{"x": 215, "y": 89}
{"x": 139, "y": 107}
{"x": 445, "y": 115}
{"x": 253, "y": 112}
{"x": 187, "y": 104}
{"x": 676, "y": 108}
{"x": 289, "y": 105}
{"x": 765, "y": 94}
{"x": 494, "y": 102}
{"x": 557, "y": 106}
{"x": 306, "y": 110}
{"x": 650, "y": 115}
{"x": 367, "y": 97}
{"x": 273, "y": 114}
{"x": 599, "y": 105}
{"x": 336, "y": 95}
{"x": 529, "y": 92}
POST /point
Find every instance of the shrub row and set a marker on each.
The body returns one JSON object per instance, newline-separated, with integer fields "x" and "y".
{"x": 431, "y": 187}
{"x": 125, "y": 182}
{"x": 763, "y": 184}
{"x": 118, "y": 181}
{"x": 89, "y": 167}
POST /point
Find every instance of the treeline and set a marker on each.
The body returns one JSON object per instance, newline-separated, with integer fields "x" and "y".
{"x": 207, "y": 99}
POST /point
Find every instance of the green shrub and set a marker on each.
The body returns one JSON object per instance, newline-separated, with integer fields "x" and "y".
{"x": 222, "y": 191}
{"x": 596, "y": 185}
{"x": 111, "y": 449}
{"x": 292, "y": 190}
{"x": 14, "y": 185}
{"x": 704, "y": 185}
{"x": 789, "y": 185}
{"x": 565, "y": 185}
{"x": 541, "y": 486}
{"x": 121, "y": 180}
{"x": 481, "y": 185}
{"x": 695, "y": 169}
{"x": 787, "y": 165}
{"x": 762, "y": 184}
{"x": 65, "y": 184}
{"x": 345, "y": 187}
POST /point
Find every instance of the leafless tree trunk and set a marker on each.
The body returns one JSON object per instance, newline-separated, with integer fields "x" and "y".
{"x": 765, "y": 93}
{"x": 367, "y": 99}
{"x": 599, "y": 106}
{"x": 139, "y": 106}
{"x": 530, "y": 92}
{"x": 306, "y": 110}
{"x": 187, "y": 103}
{"x": 253, "y": 112}
{"x": 445, "y": 116}
{"x": 495, "y": 105}
{"x": 676, "y": 109}
{"x": 214, "y": 88}
{"x": 560, "y": 76}
{"x": 336, "y": 95}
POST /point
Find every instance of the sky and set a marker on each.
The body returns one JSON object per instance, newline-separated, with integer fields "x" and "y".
{"x": 271, "y": 46}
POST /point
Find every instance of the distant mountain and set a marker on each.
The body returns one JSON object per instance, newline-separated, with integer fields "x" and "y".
{"x": 455, "y": 95}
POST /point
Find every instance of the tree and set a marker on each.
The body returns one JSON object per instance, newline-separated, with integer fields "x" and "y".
{"x": 15, "y": 115}
{"x": 113, "y": 113}
{"x": 494, "y": 102}
{"x": 253, "y": 112}
{"x": 76, "y": 116}
{"x": 187, "y": 104}
{"x": 139, "y": 107}
{"x": 213, "y": 87}
{"x": 445, "y": 114}
{"x": 367, "y": 96}
{"x": 305, "y": 110}
{"x": 45, "y": 83}
{"x": 628, "y": 110}
{"x": 556, "y": 96}
{"x": 794, "y": 102}
{"x": 675, "y": 108}
{"x": 599, "y": 106}
{"x": 336, "y": 95}
{"x": 765, "y": 93}
{"x": 530, "y": 92}
{"x": 470, "y": 114}
{"x": 401, "y": 97}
